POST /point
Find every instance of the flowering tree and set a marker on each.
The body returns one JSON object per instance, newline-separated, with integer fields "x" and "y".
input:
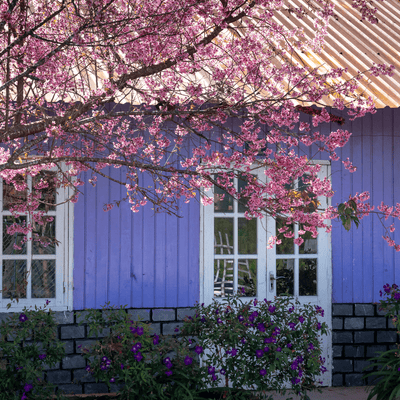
{"x": 181, "y": 68}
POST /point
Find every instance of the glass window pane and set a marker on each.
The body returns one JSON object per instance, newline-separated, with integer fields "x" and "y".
{"x": 15, "y": 243}
{"x": 308, "y": 277}
{"x": 43, "y": 279}
{"x": 14, "y": 279}
{"x": 247, "y": 236}
{"x": 284, "y": 277}
{"x": 44, "y": 183}
{"x": 44, "y": 237}
{"x": 247, "y": 277}
{"x": 13, "y": 196}
{"x": 223, "y": 202}
{"x": 310, "y": 244}
{"x": 223, "y": 236}
{"x": 223, "y": 277}
{"x": 287, "y": 245}
{"x": 242, "y": 183}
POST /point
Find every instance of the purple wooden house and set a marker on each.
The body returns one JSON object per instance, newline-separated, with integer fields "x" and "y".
{"x": 160, "y": 265}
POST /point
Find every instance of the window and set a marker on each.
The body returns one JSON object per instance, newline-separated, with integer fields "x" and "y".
{"x": 234, "y": 253}
{"x": 31, "y": 269}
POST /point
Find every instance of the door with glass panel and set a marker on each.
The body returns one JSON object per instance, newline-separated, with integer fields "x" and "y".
{"x": 234, "y": 256}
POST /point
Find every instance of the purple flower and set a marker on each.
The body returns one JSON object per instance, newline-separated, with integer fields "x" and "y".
{"x": 279, "y": 349}
{"x": 253, "y": 316}
{"x": 23, "y": 317}
{"x": 103, "y": 367}
{"x": 289, "y": 345}
{"x": 387, "y": 288}
{"x": 167, "y": 362}
{"x": 176, "y": 329}
{"x": 122, "y": 366}
{"x": 203, "y": 319}
{"x": 259, "y": 353}
{"x": 47, "y": 302}
{"x": 104, "y": 359}
{"x": 240, "y": 318}
{"x": 168, "y": 373}
{"x": 268, "y": 340}
{"x": 24, "y": 396}
{"x": 28, "y": 387}
{"x": 198, "y": 349}
{"x": 310, "y": 347}
{"x": 292, "y": 325}
{"x": 140, "y": 331}
{"x": 294, "y": 365}
{"x": 42, "y": 356}
{"x": 261, "y": 327}
{"x": 219, "y": 321}
{"x": 255, "y": 302}
{"x": 295, "y": 381}
{"x": 276, "y": 331}
{"x": 138, "y": 356}
{"x": 299, "y": 359}
{"x": 263, "y": 372}
{"x": 291, "y": 309}
{"x": 242, "y": 290}
{"x": 319, "y": 326}
{"x": 271, "y": 309}
{"x": 233, "y": 352}
{"x": 112, "y": 380}
{"x": 214, "y": 378}
{"x": 243, "y": 340}
{"x": 211, "y": 370}
{"x": 223, "y": 372}
{"x": 19, "y": 368}
{"x": 397, "y": 296}
{"x": 217, "y": 311}
{"x": 87, "y": 368}
{"x": 188, "y": 360}
{"x": 266, "y": 349}
{"x": 301, "y": 319}
{"x": 156, "y": 339}
{"x": 133, "y": 330}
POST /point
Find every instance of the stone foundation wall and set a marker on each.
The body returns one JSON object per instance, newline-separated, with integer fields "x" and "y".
{"x": 70, "y": 375}
{"x": 359, "y": 332}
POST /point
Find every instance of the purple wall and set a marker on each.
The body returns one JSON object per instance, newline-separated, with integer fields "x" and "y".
{"x": 139, "y": 259}
{"x": 147, "y": 260}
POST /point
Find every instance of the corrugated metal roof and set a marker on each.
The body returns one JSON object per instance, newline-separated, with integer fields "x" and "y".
{"x": 357, "y": 44}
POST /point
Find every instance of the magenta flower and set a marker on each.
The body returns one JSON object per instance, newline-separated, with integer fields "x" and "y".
{"x": 198, "y": 349}
{"x": 188, "y": 360}
{"x": 23, "y": 317}
{"x": 259, "y": 353}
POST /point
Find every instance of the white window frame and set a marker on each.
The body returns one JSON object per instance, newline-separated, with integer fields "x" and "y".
{"x": 265, "y": 276}
{"x": 64, "y": 214}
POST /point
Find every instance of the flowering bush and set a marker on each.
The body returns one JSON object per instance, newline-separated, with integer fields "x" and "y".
{"x": 28, "y": 342}
{"x": 259, "y": 344}
{"x": 145, "y": 366}
{"x": 387, "y": 377}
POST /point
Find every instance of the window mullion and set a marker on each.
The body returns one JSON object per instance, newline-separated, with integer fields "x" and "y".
{"x": 29, "y": 250}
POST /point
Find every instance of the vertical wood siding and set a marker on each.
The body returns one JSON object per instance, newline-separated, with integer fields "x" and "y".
{"x": 152, "y": 260}
{"x": 139, "y": 259}
{"x": 362, "y": 262}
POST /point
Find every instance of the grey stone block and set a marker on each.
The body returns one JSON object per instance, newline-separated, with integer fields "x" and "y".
{"x": 372, "y": 351}
{"x": 364, "y": 337}
{"x": 354, "y": 351}
{"x": 72, "y": 332}
{"x": 139, "y": 314}
{"x": 114, "y": 388}
{"x": 59, "y": 377}
{"x": 74, "y": 361}
{"x": 353, "y": 380}
{"x": 342, "y": 309}
{"x": 82, "y": 376}
{"x": 80, "y": 316}
{"x": 375, "y": 323}
{"x": 83, "y": 344}
{"x": 354, "y": 323}
{"x": 155, "y": 329}
{"x": 364, "y": 310}
{"x": 169, "y": 328}
{"x": 391, "y": 325}
{"x": 360, "y": 364}
{"x": 386, "y": 336}
{"x": 47, "y": 367}
{"x": 69, "y": 347}
{"x": 337, "y": 351}
{"x": 89, "y": 388}
{"x": 70, "y": 389}
{"x": 162, "y": 314}
{"x": 342, "y": 337}
{"x": 337, "y": 323}
{"x": 5, "y": 317}
{"x": 63, "y": 317}
{"x": 182, "y": 313}
{"x": 337, "y": 380}
{"x": 342, "y": 366}
{"x": 383, "y": 312}
{"x": 100, "y": 334}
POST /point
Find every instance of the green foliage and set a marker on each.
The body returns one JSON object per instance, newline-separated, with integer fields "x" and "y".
{"x": 348, "y": 214}
{"x": 28, "y": 342}
{"x": 258, "y": 345}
